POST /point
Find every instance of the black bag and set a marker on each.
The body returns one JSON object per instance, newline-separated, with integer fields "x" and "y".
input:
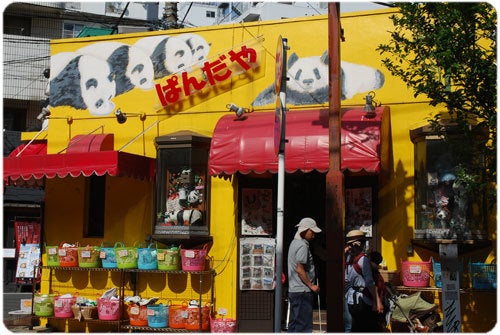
{"x": 356, "y": 308}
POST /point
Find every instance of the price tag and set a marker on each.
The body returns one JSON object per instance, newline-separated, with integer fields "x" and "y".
{"x": 102, "y": 254}
{"x": 85, "y": 253}
{"x": 415, "y": 269}
{"x": 134, "y": 310}
{"x": 52, "y": 251}
{"x": 189, "y": 254}
{"x": 62, "y": 252}
{"x": 161, "y": 256}
{"x": 123, "y": 253}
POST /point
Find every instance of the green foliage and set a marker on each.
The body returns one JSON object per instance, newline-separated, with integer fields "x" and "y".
{"x": 447, "y": 53}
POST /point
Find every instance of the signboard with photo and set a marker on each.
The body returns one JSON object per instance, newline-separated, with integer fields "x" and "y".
{"x": 257, "y": 263}
{"x": 28, "y": 261}
{"x": 256, "y": 211}
{"x": 359, "y": 209}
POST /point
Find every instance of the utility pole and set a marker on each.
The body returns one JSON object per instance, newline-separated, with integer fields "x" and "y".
{"x": 170, "y": 15}
{"x": 334, "y": 195}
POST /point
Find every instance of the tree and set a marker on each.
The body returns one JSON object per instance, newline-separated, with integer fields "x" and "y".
{"x": 447, "y": 52}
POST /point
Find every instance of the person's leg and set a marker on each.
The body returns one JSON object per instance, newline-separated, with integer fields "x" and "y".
{"x": 293, "y": 300}
{"x": 347, "y": 318}
{"x": 301, "y": 312}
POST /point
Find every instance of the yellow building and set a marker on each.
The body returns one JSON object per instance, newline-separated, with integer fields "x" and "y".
{"x": 123, "y": 105}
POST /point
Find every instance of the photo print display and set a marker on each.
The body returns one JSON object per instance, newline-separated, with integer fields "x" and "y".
{"x": 257, "y": 257}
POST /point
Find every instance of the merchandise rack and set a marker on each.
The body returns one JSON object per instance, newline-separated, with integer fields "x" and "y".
{"x": 122, "y": 323}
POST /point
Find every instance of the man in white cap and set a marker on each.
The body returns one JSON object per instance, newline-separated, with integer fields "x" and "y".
{"x": 302, "y": 278}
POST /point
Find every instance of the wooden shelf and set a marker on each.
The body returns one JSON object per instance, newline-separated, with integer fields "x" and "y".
{"x": 464, "y": 246}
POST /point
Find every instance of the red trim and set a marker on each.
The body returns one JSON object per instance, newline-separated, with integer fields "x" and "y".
{"x": 27, "y": 168}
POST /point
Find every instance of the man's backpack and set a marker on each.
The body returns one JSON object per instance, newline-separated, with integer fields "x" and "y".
{"x": 377, "y": 277}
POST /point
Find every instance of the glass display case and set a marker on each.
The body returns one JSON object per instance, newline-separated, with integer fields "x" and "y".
{"x": 182, "y": 185}
{"x": 445, "y": 206}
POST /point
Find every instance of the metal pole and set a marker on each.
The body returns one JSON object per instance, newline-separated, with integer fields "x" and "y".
{"x": 279, "y": 223}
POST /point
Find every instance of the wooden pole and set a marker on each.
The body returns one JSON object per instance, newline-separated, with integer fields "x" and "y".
{"x": 334, "y": 195}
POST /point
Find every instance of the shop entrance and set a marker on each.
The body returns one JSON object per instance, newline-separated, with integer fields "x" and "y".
{"x": 304, "y": 197}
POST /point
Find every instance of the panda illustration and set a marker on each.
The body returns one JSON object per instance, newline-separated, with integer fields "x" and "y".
{"x": 130, "y": 66}
{"x": 198, "y": 45}
{"x": 169, "y": 54}
{"x": 309, "y": 83}
{"x": 82, "y": 82}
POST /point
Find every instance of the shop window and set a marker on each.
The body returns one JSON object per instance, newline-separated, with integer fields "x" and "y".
{"x": 446, "y": 207}
{"x": 182, "y": 185}
{"x": 95, "y": 203}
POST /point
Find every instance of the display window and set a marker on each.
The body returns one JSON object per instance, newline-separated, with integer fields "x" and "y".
{"x": 446, "y": 207}
{"x": 182, "y": 185}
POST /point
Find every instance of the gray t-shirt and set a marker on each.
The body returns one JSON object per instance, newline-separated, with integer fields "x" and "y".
{"x": 299, "y": 253}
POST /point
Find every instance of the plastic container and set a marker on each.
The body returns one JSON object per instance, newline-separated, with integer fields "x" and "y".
{"x": 222, "y": 325}
{"x": 438, "y": 280}
{"x": 194, "y": 259}
{"x": 416, "y": 274}
{"x": 158, "y": 316}
{"x": 193, "y": 318}
{"x": 43, "y": 304}
{"x": 108, "y": 309}
{"x": 483, "y": 276}
{"x": 52, "y": 255}
{"x": 68, "y": 256}
{"x": 169, "y": 259}
{"x": 126, "y": 257}
{"x": 138, "y": 315}
{"x": 147, "y": 257}
{"x": 62, "y": 306}
{"x": 88, "y": 257}
{"x": 107, "y": 256}
{"x": 177, "y": 316}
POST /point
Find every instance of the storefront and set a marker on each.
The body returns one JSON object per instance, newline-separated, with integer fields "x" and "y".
{"x": 143, "y": 146}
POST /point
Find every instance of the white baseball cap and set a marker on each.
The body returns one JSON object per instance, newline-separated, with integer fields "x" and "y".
{"x": 305, "y": 224}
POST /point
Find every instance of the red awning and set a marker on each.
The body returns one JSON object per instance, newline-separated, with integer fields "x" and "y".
{"x": 30, "y": 166}
{"x": 247, "y": 145}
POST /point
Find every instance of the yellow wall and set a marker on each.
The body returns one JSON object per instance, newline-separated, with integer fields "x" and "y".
{"x": 130, "y": 202}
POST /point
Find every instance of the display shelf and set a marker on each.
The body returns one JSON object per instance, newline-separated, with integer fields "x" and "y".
{"x": 464, "y": 246}
{"x": 123, "y": 324}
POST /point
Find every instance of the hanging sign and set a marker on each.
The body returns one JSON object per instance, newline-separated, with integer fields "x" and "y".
{"x": 280, "y": 86}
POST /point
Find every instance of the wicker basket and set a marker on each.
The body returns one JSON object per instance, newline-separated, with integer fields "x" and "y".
{"x": 89, "y": 312}
{"x": 77, "y": 312}
{"x": 392, "y": 277}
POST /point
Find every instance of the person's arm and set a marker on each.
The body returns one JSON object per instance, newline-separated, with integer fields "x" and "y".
{"x": 301, "y": 271}
{"x": 377, "y": 303}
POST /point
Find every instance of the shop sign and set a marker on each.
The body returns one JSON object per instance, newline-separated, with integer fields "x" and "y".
{"x": 211, "y": 73}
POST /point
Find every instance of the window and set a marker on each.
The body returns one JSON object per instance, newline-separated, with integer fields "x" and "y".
{"x": 445, "y": 207}
{"x": 210, "y": 13}
{"x": 71, "y": 30}
{"x": 15, "y": 25}
{"x": 95, "y": 199}
{"x": 182, "y": 185}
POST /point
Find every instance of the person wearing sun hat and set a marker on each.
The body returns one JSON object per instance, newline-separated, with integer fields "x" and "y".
{"x": 302, "y": 278}
{"x": 364, "y": 303}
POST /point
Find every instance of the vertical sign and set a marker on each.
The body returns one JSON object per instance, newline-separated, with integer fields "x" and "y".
{"x": 450, "y": 274}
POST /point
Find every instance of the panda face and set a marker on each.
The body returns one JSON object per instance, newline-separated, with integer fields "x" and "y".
{"x": 308, "y": 74}
{"x": 140, "y": 69}
{"x": 178, "y": 56}
{"x": 198, "y": 45}
{"x": 97, "y": 85}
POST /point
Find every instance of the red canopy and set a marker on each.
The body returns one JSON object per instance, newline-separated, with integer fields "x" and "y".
{"x": 32, "y": 165}
{"x": 247, "y": 145}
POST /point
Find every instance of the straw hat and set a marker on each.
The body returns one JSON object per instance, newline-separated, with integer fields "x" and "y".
{"x": 355, "y": 235}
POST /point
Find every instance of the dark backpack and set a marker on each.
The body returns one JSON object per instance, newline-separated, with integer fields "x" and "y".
{"x": 377, "y": 277}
